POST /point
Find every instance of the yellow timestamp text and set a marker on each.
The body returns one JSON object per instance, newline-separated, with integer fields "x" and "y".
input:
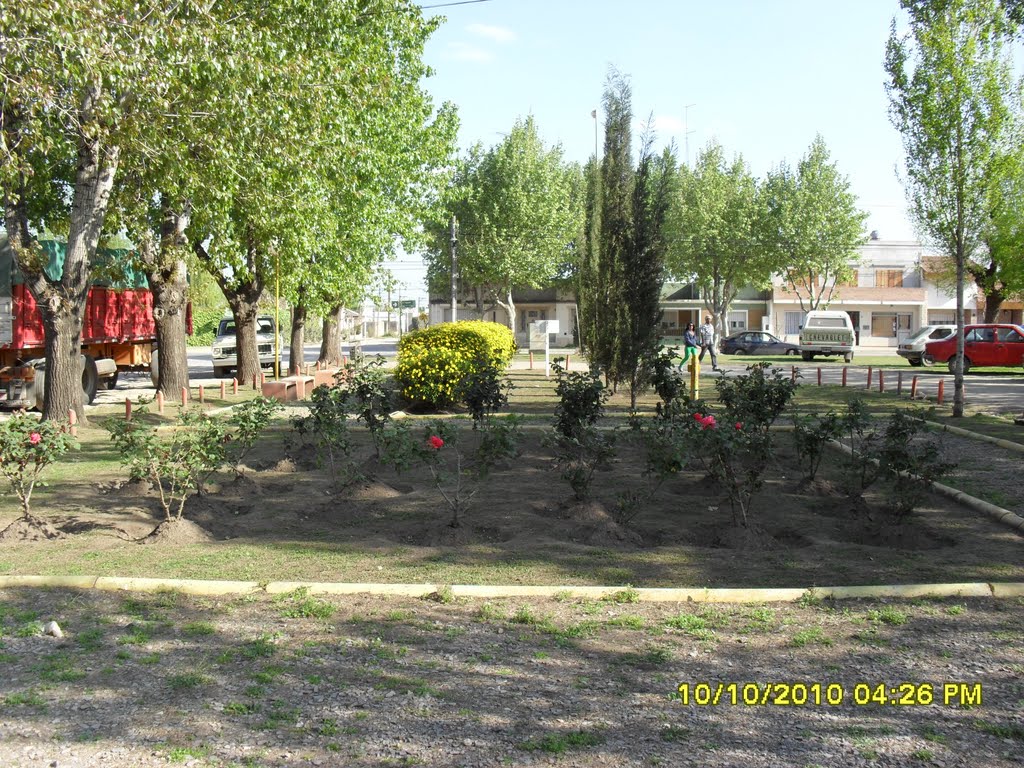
{"x": 801, "y": 694}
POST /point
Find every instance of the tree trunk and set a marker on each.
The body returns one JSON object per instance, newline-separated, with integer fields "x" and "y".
{"x": 167, "y": 274}
{"x": 993, "y": 301}
{"x": 296, "y": 353}
{"x": 63, "y": 341}
{"x": 170, "y": 301}
{"x": 246, "y": 348}
{"x": 330, "y": 345}
{"x": 509, "y": 306}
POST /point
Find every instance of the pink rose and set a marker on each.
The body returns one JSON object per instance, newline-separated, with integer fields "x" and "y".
{"x": 435, "y": 442}
{"x": 708, "y": 422}
{"x": 698, "y": 417}
{"x": 34, "y": 438}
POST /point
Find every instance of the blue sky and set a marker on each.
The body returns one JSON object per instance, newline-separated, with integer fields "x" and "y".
{"x": 763, "y": 76}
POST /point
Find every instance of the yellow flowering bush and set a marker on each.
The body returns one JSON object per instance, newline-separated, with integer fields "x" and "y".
{"x": 434, "y": 363}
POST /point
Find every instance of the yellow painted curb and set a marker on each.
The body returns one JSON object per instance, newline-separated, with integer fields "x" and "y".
{"x": 1008, "y": 590}
{"x": 72, "y": 582}
{"x": 643, "y": 594}
{"x": 188, "y": 586}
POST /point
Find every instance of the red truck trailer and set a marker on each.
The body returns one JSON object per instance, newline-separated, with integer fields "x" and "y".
{"x": 118, "y": 331}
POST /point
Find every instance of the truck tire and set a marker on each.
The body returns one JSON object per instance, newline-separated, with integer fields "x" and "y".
{"x": 90, "y": 379}
{"x": 220, "y": 373}
{"x": 848, "y": 357}
{"x": 807, "y": 356}
{"x": 110, "y": 382}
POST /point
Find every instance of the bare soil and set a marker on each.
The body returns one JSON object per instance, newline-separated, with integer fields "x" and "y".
{"x": 523, "y": 524}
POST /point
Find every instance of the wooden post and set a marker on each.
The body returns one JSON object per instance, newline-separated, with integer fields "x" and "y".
{"x": 344, "y": 359}
{"x": 127, "y": 409}
{"x": 881, "y": 380}
{"x": 160, "y": 402}
{"x": 184, "y": 396}
{"x": 899, "y": 383}
{"x": 531, "y": 360}
{"x": 942, "y": 391}
{"x": 913, "y": 388}
{"x": 694, "y": 377}
{"x": 869, "y": 377}
{"x": 263, "y": 377}
{"x": 844, "y": 375}
{"x": 234, "y": 386}
{"x": 222, "y": 389}
{"x": 254, "y": 381}
{"x": 819, "y": 375}
{"x": 73, "y": 422}
{"x": 792, "y": 374}
{"x": 202, "y": 395}
{"x": 567, "y": 362}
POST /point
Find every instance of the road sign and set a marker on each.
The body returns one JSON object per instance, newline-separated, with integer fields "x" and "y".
{"x": 404, "y": 304}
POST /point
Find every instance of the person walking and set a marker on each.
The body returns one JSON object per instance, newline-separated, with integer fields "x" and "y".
{"x": 690, "y": 344}
{"x": 707, "y": 343}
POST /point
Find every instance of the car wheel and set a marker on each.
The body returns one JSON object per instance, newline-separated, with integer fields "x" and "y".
{"x": 793, "y": 352}
{"x": 740, "y": 351}
{"x": 927, "y": 360}
{"x": 952, "y": 364}
{"x": 914, "y": 361}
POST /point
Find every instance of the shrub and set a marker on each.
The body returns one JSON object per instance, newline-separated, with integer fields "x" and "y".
{"x": 458, "y": 474}
{"x": 909, "y": 463}
{"x": 27, "y": 447}
{"x": 581, "y": 399}
{"x": 485, "y": 391}
{"x": 812, "y": 435}
{"x": 435, "y": 363}
{"x": 327, "y": 426}
{"x": 176, "y": 462}
{"x": 366, "y": 387}
{"x": 249, "y": 419}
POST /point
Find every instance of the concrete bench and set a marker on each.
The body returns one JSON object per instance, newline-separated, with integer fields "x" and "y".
{"x": 289, "y": 388}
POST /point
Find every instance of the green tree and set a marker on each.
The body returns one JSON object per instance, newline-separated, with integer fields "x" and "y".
{"x": 950, "y": 94}
{"x": 518, "y": 217}
{"x": 714, "y": 228}
{"x": 811, "y": 227}
{"x": 80, "y": 82}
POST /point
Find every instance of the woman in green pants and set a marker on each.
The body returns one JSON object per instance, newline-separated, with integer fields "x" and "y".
{"x": 690, "y": 344}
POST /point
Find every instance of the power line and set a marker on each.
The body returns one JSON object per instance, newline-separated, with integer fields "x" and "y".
{"x": 448, "y": 5}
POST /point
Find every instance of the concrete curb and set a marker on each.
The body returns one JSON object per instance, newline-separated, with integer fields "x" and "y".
{"x": 1004, "y": 516}
{"x": 1007, "y": 444}
{"x": 481, "y": 591}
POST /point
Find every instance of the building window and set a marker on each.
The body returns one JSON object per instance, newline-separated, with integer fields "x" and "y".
{"x": 888, "y": 278}
{"x": 793, "y": 322}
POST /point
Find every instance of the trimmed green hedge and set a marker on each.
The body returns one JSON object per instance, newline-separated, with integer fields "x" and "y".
{"x": 434, "y": 362}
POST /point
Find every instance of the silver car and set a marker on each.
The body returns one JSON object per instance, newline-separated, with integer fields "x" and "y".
{"x": 225, "y": 356}
{"x": 912, "y": 347}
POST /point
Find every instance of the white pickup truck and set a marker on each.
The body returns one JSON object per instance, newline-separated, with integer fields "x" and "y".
{"x": 827, "y": 333}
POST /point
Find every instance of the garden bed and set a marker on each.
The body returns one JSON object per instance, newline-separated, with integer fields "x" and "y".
{"x": 286, "y": 518}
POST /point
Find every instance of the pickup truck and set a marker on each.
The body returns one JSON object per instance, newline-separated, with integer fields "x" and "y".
{"x": 225, "y": 356}
{"x": 827, "y": 333}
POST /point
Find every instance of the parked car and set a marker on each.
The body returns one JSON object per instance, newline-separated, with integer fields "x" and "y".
{"x": 985, "y": 344}
{"x": 827, "y": 333}
{"x": 757, "y": 343}
{"x": 224, "y": 354}
{"x": 912, "y": 347}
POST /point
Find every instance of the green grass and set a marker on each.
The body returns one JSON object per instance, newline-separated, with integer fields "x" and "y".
{"x": 812, "y": 636}
{"x": 558, "y": 743}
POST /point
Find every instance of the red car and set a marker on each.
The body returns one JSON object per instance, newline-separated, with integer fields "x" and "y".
{"x": 985, "y": 344}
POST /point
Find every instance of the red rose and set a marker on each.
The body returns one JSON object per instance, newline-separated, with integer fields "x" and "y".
{"x": 435, "y": 442}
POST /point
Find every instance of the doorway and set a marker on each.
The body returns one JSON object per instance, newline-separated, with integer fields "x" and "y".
{"x": 855, "y": 318}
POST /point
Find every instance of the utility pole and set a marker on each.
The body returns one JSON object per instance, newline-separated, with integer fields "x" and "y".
{"x": 597, "y": 136}
{"x": 455, "y": 268}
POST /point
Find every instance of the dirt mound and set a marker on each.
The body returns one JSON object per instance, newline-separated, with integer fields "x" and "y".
{"x": 30, "y": 529}
{"x": 129, "y": 489}
{"x": 177, "y": 532}
{"x": 819, "y": 487}
{"x": 370, "y": 490}
{"x": 598, "y": 526}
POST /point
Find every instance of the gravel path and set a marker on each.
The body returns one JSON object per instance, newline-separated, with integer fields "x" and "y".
{"x": 256, "y": 681}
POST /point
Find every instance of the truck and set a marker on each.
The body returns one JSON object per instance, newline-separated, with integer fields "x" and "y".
{"x": 118, "y": 329}
{"x": 827, "y": 333}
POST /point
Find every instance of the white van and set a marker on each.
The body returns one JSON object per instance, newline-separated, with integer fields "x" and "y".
{"x": 827, "y": 333}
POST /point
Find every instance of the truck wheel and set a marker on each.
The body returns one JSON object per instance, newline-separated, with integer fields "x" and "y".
{"x": 807, "y": 356}
{"x": 90, "y": 379}
{"x": 848, "y": 357}
{"x": 110, "y": 382}
{"x": 220, "y": 373}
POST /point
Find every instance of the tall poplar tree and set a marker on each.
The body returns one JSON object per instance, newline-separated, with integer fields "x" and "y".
{"x": 950, "y": 89}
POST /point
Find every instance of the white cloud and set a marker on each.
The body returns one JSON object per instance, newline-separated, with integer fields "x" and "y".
{"x": 467, "y": 52}
{"x": 497, "y": 34}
